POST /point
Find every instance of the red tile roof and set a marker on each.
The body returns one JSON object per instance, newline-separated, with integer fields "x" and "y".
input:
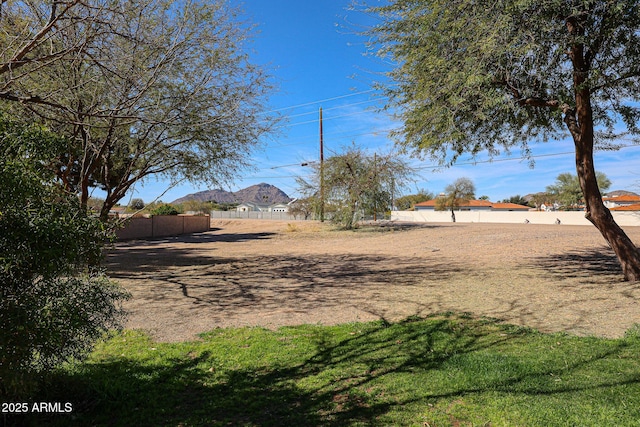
{"x": 427, "y": 203}
{"x": 468, "y": 204}
{"x": 627, "y": 198}
{"x": 635, "y": 207}
{"x": 510, "y": 206}
{"x": 478, "y": 204}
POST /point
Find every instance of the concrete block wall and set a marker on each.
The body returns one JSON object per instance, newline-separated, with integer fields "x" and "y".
{"x": 163, "y": 226}
{"x": 136, "y": 228}
{"x": 196, "y": 224}
{"x": 534, "y": 217}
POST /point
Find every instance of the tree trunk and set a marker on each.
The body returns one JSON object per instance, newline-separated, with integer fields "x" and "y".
{"x": 601, "y": 217}
{"x": 579, "y": 121}
{"x": 110, "y": 201}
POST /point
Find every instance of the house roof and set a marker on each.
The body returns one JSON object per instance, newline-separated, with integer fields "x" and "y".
{"x": 478, "y": 204}
{"x": 427, "y": 203}
{"x": 510, "y": 206}
{"x": 626, "y": 198}
{"x": 634, "y": 207}
{"x": 464, "y": 204}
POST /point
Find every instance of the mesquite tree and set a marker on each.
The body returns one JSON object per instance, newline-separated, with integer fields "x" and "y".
{"x": 455, "y": 194}
{"x": 567, "y": 191}
{"x": 354, "y": 182}
{"x": 474, "y": 76}
{"x": 140, "y": 88}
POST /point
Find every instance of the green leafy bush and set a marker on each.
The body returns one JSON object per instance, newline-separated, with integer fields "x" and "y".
{"x": 164, "y": 210}
{"x": 136, "y": 204}
{"x": 55, "y": 301}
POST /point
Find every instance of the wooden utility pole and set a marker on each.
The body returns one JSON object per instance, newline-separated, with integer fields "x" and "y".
{"x": 321, "y": 171}
{"x": 375, "y": 184}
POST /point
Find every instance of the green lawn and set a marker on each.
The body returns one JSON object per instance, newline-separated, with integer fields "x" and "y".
{"x": 439, "y": 371}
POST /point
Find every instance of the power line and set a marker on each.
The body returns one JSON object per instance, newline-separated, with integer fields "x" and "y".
{"x": 334, "y": 108}
{"x": 334, "y": 136}
{"x": 509, "y": 159}
{"x": 469, "y": 163}
{"x": 472, "y": 163}
{"x": 320, "y": 101}
{"x": 304, "y": 163}
{"x": 355, "y": 113}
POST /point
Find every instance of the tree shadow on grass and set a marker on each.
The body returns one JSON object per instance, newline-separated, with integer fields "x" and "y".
{"x": 362, "y": 378}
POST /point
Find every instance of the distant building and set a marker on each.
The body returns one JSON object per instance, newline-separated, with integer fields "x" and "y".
{"x": 509, "y": 207}
{"x": 279, "y": 207}
{"x": 252, "y": 207}
{"x": 259, "y": 207}
{"x": 627, "y": 208}
{"x": 474, "y": 205}
{"x": 471, "y": 205}
{"x": 622, "y": 201}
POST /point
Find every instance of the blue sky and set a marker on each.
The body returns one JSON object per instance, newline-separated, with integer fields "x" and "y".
{"x": 317, "y": 60}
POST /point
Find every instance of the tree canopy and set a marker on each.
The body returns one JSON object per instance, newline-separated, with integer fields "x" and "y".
{"x": 409, "y": 201}
{"x": 143, "y": 88}
{"x": 487, "y": 76}
{"x": 473, "y": 76}
{"x": 355, "y": 182}
{"x": 460, "y": 191}
{"x": 566, "y": 190}
{"x": 517, "y": 199}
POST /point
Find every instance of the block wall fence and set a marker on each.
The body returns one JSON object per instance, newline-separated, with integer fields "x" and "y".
{"x": 163, "y": 226}
{"x": 512, "y": 217}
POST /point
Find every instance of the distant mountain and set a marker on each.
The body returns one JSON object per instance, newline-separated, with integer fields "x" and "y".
{"x": 218, "y": 196}
{"x": 261, "y": 193}
{"x": 618, "y": 193}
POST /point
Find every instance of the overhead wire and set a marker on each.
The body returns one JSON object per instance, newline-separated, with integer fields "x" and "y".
{"x": 320, "y": 101}
{"x": 509, "y": 159}
{"x": 374, "y": 132}
{"x": 340, "y": 135}
{"x": 436, "y": 166}
{"x": 333, "y": 108}
{"x": 355, "y": 113}
{"x": 289, "y": 125}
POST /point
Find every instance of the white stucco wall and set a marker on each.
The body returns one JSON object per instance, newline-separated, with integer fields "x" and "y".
{"x": 534, "y": 217}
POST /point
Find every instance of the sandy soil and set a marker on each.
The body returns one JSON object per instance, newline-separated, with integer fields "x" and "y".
{"x": 270, "y": 273}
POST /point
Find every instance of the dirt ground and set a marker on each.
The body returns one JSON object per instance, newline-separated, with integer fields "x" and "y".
{"x": 271, "y": 273}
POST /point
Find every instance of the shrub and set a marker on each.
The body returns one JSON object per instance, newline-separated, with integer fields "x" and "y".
{"x": 136, "y": 204}
{"x": 164, "y": 210}
{"x": 55, "y": 301}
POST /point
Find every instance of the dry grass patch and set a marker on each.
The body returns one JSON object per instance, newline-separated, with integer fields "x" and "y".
{"x": 257, "y": 273}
